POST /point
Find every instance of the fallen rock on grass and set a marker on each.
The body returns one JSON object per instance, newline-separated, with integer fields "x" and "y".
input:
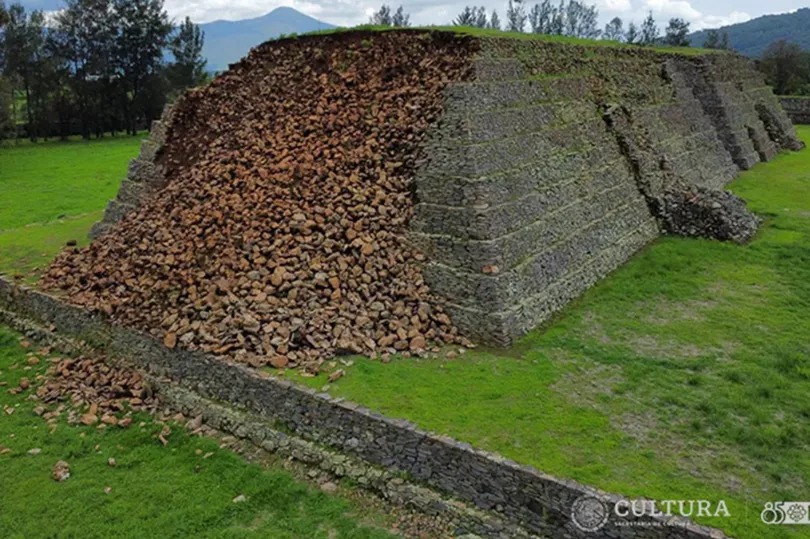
{"x": 61, "y": 471}
{"x": 102, "y": 393}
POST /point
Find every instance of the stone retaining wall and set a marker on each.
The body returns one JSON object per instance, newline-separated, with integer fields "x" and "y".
{"x": 797, "y": 108}
{"x": 388, "y": 484}
{"x": 144, "y": 177}
{"x": 520, "y": 494}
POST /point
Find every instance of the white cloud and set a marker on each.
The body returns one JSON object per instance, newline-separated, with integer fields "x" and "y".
{"x": 672, "y": 8}
{"x": 614, "y": 6}
{"x": 715, "y": 21}
{"x": 663, "y": 10}
{"x": 50, "y": 17}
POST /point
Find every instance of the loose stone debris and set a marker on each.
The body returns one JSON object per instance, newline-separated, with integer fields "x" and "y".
{"x": 280, "y": 236}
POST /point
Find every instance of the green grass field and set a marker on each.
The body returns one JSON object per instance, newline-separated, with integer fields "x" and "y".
{"x": 52, "y": 193}
{"x": 185, "y": 489}
{"x": 684, "y": 375}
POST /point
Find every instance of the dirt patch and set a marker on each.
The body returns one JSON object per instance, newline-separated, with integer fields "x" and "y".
{"x": 649, "y": 345}
{"x": 655, "y": 346}
{"x": 662, "y": 313}
{"x": 592, "y": 385}
{"x": 588, "y": 383}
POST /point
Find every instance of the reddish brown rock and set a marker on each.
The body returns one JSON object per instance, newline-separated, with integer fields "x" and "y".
{"x": 418, "y": 343}
{"x": 61, "y": 471}
{"x": 279, "y": 362}
{"x": 170, "y": 340}
{"x": 286, "y": 209}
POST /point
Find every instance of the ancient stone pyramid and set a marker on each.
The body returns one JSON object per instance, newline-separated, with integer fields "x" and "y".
{"x": 379, "y": 191}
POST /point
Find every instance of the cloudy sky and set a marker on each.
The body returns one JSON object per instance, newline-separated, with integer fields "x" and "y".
{"x": 701, "y": 13}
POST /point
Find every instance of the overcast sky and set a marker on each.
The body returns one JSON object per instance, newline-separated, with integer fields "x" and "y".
{"x": 701, "y": 13}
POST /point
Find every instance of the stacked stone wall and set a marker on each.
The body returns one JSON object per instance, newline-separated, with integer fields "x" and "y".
{"x": 550, "y": 169}
{"x": 519, "y": 495}
{"x": 797, "y": 108}
{"x": 145, "y": 176}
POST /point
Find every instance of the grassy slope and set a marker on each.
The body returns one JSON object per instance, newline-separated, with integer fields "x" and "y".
{"x": 685, "y": 374}
{"x": 501, "y": 34}
{"x": 54, "y": 192}
{"x": 157, "y": 491}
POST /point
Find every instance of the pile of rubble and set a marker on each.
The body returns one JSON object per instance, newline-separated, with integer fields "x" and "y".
{"x": 95, "y": 391}
{"x": 280, "y": 237}
{"x": 706, "y": 213}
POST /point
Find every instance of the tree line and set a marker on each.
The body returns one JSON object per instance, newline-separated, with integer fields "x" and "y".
{"x": 94, "y": 67}
{"x": 786, "y": 65}
{"x": 567, "y": 18}
{"x": 100, "y": 66}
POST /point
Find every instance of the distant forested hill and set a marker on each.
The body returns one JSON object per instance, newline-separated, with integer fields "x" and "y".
{"x": 752, "y": 37}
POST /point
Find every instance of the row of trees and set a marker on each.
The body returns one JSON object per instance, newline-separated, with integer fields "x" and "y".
{"x": 568, "y": 18}
{"x": 385, "y": 17}
{"x": 96, "y": 66}
{"x": 100, "y": 65}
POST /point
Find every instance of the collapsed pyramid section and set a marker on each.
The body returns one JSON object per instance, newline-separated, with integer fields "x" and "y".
{"x": 378, "y": 192}
{"x": 272, "y": 224}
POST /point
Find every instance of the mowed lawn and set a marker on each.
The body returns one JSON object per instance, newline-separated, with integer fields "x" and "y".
{"x": 683, "y": 375}
{"x": 51, "y": 193}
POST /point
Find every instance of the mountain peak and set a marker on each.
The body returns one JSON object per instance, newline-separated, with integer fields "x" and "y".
{"x": 228, "y": 41}
{"x": 282, "y": 9}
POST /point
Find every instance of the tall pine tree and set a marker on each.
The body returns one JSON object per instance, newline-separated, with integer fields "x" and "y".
{"x": 614, "y": 30}
{"x": 143, "y": 33}
{"x": 540, "y": 17}
{"x": 188, "y": 68}
{"x": 515, "y": 16}
{"x": 649, "y": 31}
{"x": 494, "y": 21}
{"x": 23, "y": 59}
{"x": 676, "y": 32}
{"x": 84, "y": 39}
